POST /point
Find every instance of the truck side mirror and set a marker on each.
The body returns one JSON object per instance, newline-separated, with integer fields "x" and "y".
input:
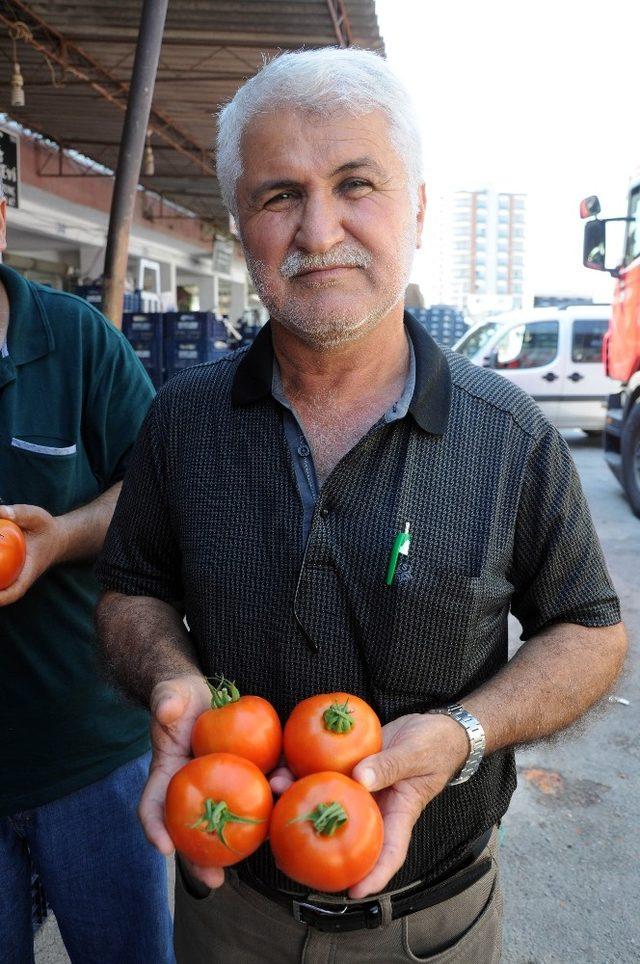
{"x": 589, "y": 207}
{"x": 595, "y": 244}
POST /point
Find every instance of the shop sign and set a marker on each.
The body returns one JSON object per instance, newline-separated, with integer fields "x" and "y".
{"x": 222, "y": 255}
{"x": 9, "y": 170}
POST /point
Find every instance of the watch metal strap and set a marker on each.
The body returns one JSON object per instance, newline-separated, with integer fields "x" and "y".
{"x": 477, "y": 740}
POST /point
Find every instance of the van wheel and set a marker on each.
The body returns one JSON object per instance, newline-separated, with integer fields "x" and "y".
{"x": 592, "y": 432}
{"x": 630, "y": 449}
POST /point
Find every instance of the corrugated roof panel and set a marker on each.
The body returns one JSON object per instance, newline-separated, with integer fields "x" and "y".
{"x": 76, "y": 93}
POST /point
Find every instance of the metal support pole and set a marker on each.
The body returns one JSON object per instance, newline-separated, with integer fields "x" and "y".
{"x": 125, "y": 185}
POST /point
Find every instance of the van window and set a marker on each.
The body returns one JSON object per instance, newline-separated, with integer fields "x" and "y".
{"x": 528, "y": 346}
{"x": 586, "y": 341}
{"x": 632, "y": 240}
{"x": 474, "y": 341}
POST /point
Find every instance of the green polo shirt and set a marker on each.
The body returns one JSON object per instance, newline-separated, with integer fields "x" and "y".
{"x": 72, "y": 398}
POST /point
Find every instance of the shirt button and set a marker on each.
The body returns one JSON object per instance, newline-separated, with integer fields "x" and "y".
{"x": 304, "y": 451}
{"x": 324, "y": 512}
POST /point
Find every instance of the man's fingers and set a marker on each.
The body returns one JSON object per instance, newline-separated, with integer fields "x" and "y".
{"x": 398, "y": 826}
{"x": 151, "y": 812}
{"x": 26, "y": 516}
{"x": 18, "y": 588}
{"x": 389, "y": 766}
{"x": 281, "y": 779}
{"x": 210, "y": 876}
{"x": 167, "y": 705}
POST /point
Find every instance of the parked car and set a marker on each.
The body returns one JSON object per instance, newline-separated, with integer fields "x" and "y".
{"x": 554, "y": 354}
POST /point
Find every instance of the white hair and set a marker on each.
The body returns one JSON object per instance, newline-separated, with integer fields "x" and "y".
{"x": 329, "y": 80}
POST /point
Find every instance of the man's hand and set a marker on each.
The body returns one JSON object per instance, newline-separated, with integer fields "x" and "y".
{"x": 421, "y": 754}
{"x": 46, "y": 539}
{"x": 175, "y": 706}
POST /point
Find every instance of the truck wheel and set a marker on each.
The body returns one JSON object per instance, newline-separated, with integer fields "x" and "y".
{"x": 630, "y": 449}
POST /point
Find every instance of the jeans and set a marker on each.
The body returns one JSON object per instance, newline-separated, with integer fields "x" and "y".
{"x": 106, "y": 885}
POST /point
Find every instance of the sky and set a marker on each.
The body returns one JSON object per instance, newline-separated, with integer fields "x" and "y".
{"x": 542, "y": 98}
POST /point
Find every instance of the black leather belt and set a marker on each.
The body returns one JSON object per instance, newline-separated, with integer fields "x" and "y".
{"x": 368, "y": 913}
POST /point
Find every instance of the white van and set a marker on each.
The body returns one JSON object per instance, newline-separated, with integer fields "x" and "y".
{"x": 554, "y": 354}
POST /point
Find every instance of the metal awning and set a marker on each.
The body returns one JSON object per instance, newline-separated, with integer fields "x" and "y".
{"x": 76, "y": 60}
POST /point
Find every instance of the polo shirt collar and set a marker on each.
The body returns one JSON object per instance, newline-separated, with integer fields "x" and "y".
{"x": 431, "y": 399}
{"x": 29, "y": 335}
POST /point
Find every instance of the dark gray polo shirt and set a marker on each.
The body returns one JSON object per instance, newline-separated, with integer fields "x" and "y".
{"x": 211, "y": 520}
{"x": 308, "y": 485}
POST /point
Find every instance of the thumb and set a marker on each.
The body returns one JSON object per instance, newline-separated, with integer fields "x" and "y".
{"x": 168, "y": 703}
{"x": 26, "y": 516}
{"x": 388, "y": 767}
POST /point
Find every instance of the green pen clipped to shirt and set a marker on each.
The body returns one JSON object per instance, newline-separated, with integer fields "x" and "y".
{"x": 400, "y": 547}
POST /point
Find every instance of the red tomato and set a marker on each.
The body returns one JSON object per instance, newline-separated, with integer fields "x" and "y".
{"x": 326, "y": 832}
{"x": 245, "y": 725}
{"x": 13, "y": 552}
{"x": 217, "y": 809}
{"x": 332, "y": 731}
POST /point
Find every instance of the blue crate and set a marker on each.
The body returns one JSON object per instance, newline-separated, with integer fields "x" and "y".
{"x": 179, "y": 364}
{"x": 202, "y": 326}
{"x": 184, "y": 354}
{"x": 90, "y": 293}
{"x": 93, "y": 294}
{"x": 192, "y": 338}
{"x": 143, "y": 326}
{"x": 144, "y": 331}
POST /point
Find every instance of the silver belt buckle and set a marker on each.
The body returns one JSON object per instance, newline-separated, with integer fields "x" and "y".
{"x": 299, "y": 905}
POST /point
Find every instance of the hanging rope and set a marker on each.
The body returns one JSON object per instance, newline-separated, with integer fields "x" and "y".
{"x": 18, "y": 30}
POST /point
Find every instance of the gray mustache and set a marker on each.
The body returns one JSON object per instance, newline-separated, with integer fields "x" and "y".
{"x": 350, "y": 257}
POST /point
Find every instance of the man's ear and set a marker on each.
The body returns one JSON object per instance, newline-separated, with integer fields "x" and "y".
{"x": 420, "y": 214}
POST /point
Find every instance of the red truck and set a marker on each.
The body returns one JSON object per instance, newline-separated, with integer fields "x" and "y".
{"x": 621, "y": 345}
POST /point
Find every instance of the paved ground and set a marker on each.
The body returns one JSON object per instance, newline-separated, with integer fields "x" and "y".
{"x": 571, "y": 853}
{"x": 571, "y": 847}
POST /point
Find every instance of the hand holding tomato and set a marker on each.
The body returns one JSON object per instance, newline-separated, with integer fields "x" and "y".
{"x": 421, "y": 754}
{"x": 175, "y": 706}
{"x": 45, "y": 543}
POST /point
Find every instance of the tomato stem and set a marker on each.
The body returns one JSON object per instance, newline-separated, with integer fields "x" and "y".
{"x": 215, "y": 818}
{"x": 326, "y": 818}
{"x": 223, "y": 692}
{"x": 338, "y": 718}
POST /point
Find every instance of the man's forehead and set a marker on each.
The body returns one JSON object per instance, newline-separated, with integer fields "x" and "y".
{"x": 330, "y": 145}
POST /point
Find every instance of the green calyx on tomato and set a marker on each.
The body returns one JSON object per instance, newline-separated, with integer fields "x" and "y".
{"x": 215, "y": 818}
{"x": 326, "y": 818}
{"x": 338, "y": 718}
{"x": 223, "y": 693}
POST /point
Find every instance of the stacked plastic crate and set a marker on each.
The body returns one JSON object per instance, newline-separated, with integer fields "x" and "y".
{"x": 444, "y": 323}
{"x": 93, "y": 294}
{"x": 145, "y": 333}
{"x": 192, "y": 338}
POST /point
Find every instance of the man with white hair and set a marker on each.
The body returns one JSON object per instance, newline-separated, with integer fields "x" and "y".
{"x": 263, "y": 503}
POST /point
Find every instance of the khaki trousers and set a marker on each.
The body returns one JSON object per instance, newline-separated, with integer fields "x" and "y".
{"x": 237, "y": 925}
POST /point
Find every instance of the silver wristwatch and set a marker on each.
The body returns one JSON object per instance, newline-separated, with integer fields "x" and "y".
{"x": 476, "y": 736}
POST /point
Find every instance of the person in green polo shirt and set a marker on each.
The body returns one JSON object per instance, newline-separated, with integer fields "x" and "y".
{"x": 74, "y": 756}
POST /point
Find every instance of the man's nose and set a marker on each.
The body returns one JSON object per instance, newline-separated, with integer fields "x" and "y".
{"x": 320, "y": 227}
